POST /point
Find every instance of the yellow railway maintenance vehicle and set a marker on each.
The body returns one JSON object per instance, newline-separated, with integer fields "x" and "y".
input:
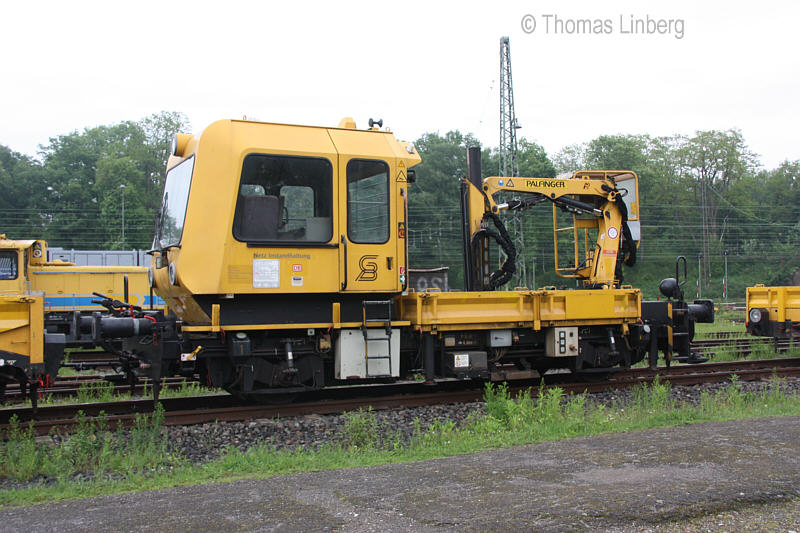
{"x": 773, "y": 311}
{"x": 48, "y": 305}
{"x": 282, "y": 251}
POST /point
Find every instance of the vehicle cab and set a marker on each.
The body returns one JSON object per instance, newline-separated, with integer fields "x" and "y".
{"x": 254, "y": 212}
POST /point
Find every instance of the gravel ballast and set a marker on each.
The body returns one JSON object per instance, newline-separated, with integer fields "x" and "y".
{"x": 205, "y": 442}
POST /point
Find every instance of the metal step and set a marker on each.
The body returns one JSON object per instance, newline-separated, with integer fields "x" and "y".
{"x": 387, "y": 321}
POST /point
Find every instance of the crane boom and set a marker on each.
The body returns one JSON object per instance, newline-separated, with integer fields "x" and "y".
{"x": 597, "y": 202}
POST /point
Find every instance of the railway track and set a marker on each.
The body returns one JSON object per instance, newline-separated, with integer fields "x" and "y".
{"x": 712, "y": 335}
{"x": 69, "y": 387}
{"x": 91, "y": 357}
{"x": 743, "y": 346}
{"x": 91, "y": 360}
{"x": 210, "y": 408}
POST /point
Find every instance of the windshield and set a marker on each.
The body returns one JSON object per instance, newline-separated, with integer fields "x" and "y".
{"x": 173, "y": 206}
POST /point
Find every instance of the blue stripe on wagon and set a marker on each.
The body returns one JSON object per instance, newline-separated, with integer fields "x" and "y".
{"x": 83, "y": 303}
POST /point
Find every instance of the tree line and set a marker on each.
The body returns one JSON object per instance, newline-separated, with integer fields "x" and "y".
{"x": 72, "y": 194}
{"x": 704, "y": 196}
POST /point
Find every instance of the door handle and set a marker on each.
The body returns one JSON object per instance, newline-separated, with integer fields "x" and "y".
{"x": 344, "y": 247}
{"x": 405, "y": 237}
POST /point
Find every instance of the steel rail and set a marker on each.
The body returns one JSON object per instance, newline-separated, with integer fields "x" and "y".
{"x": 69, "y": 387}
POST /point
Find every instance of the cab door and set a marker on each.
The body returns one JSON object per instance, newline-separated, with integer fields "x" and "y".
{"x": 367, "y": 213}
{"x": 367, "y": 243}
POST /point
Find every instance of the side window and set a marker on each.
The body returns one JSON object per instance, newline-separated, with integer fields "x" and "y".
{"x": 8, "y": 264}
{"x": 367, "y": 201}
{"x": 284, "y": 198}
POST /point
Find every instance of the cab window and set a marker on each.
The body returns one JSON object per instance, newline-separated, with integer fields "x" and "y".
{"x": 367, "y": 201}
{"x": 284, "y": 198}
{"x": 8, "y": 264}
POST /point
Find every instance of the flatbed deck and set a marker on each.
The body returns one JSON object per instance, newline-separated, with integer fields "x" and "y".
{"x": 536, "y": 309}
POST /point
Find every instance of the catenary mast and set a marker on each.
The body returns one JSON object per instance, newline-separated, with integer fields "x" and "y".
{"x": 509, "y": 158}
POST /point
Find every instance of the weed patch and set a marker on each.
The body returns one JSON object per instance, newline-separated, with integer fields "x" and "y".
{"x": 360, "y": 430}
{"x": 120, "y": 461}
{"x": 92, "y": 449}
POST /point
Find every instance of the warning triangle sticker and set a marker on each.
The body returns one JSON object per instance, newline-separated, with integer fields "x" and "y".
{"x": 509, "y": 183}
{"x": 401, "y": 176}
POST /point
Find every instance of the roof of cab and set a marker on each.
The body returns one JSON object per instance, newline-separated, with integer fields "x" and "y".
{"x": 7, "y": 243}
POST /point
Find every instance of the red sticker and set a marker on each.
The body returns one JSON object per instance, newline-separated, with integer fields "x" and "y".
{"x": 297, "y": 268}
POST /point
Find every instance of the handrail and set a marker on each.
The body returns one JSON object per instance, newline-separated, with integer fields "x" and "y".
{"x": 344, "y": 245}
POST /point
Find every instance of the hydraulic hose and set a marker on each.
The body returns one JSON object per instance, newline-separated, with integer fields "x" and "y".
{"x": 503, "y": 274}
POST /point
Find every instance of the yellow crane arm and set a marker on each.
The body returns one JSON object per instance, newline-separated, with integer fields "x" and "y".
{"x": 595, "y": 201}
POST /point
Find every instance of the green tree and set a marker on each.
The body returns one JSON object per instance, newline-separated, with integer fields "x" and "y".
{"x": 434, "y": 207}
{"x": 115, "y": 177}
{"x": 21, "y": 179}
{"x": 570, "y": 158}
{"x": 84, "y": 171}
{"x": 158, "y": 130}
{"x": 617, "y": 152}
{"x": 711, "y": 162}
{"x": 533, "y": 160}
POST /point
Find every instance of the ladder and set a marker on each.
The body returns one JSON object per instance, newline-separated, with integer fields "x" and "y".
{"x": 383, "y": 308}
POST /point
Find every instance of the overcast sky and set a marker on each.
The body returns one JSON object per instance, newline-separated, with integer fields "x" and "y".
{"x": 421, "y": 66}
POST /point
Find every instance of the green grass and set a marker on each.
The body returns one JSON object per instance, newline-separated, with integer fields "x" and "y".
{"x": 93, "y": 447}
{"x": 145, "y": 462}
{"x": 724, "y": 320}
{"x": 763, "y": 350}
{"x": 69, "y": 372}
{"x": 187, "y": 388}
{"x": 706, "y": 331}
{"x": 95, "y": 391}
